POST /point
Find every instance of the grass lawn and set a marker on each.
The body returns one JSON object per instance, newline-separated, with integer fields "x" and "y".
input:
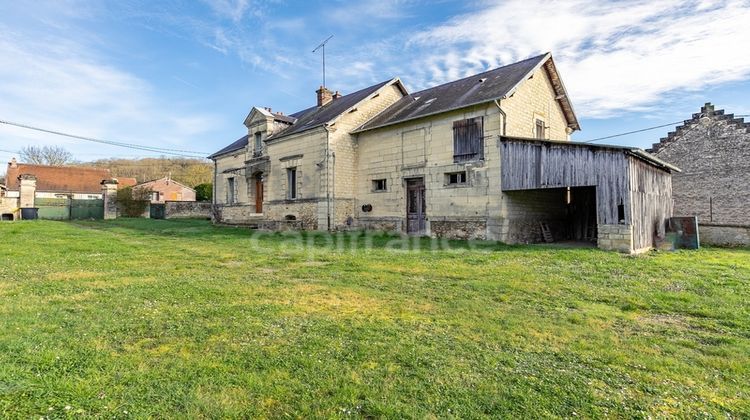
{"x": 148, "y": 318}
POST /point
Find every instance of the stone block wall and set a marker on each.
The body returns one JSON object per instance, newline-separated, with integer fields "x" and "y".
{"x": 616, "y": 238}
{"x": 236, "y": 214}
{"x": 713, "y": 151}
{"x": 724, "y": 235}
{"x": 187, "y": 209}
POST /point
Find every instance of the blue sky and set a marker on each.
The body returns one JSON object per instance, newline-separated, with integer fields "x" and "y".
{"x": 184, "y": 74}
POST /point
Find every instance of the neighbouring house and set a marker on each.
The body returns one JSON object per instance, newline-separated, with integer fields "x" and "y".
{"x": 713, "y": 150}
{"x": 59, "y": 192}
{"x": 487, "y": 157}
{"x": 166, "y": 189}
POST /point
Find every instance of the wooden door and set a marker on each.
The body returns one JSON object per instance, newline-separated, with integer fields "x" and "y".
{"x": 259, "y": 193}
{"x": 415, "y": 206}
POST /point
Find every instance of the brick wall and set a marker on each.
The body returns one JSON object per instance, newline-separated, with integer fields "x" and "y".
{"x": 713, "y": 151}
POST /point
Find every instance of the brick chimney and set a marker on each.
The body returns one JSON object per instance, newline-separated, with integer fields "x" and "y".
{"x": 324, "y": 96}
{"x": 13, "y": 163}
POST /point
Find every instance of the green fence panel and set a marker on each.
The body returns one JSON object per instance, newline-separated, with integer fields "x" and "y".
{"x": 53, "y": 208}
{"x": 157, "y": 211}
{"x": 87, "y": 209}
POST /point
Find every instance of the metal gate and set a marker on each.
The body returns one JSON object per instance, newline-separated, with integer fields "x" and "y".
{"x": 156, "y": 211}
{"x": 64, "y": 208}
{"x": 86, "y": 209}
{"x": 53, "y": 208}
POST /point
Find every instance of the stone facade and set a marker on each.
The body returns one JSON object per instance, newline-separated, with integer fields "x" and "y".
{"x": 351, "y": 176}
{"x": 713, "y": 151}
{"x": 616, "y": 238}
{"x": 424, "y": 148}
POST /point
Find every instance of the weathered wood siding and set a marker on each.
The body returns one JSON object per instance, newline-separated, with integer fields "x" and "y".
{"x": 651, "y": 201}
{"x": 528, "y": 165}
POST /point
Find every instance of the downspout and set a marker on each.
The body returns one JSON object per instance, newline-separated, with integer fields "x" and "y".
{"x": 213, "y": 191}
{"x": 500, "y": 109}
{"x": 328, "y": 184}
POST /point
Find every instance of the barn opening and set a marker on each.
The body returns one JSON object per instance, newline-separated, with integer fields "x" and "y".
{"x": 617, "y": 197}
{"x": 560, "y": 215}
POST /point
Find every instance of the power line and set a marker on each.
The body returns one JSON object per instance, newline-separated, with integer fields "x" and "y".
{"x": 647, "y": 129}
{"x": 175, "y": 152}
{"x": 633, "y": 132}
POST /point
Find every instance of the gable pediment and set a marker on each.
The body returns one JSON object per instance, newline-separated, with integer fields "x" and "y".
{"x": 257, "y": 115}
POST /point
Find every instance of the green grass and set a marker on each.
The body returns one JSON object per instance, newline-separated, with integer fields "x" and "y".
{"x": 145, "y": 318}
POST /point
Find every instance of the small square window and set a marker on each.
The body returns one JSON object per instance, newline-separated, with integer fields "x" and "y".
{"x": 455, "y": 178}
{"x": 379, "y": 185}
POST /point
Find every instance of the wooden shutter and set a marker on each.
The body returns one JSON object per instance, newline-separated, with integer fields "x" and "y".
{"x": 468, "y": 141}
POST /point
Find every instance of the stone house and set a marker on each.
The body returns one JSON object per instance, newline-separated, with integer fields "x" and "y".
{"x": 429, "y": 163}
{"x": 713, "y": 150}
{"x": 166, "y": 189}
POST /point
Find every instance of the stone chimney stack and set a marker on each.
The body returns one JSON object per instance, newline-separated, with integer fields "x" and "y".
{"x": 324, "y": 96}
{"x": 13, "y": 163}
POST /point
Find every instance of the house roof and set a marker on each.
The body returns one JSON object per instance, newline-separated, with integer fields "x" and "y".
{"x": 59, "y": 179}
{"x": 312, "y": 117}
{"x": 634, "y": 151}
{"x": 166, "y": 179}
{"x": 124, "y": 182}
{"x": 317, "y": 116}
{"x": 239, "y": 144}
{"x": 473, "y": 90}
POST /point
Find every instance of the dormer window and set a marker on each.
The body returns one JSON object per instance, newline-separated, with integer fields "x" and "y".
{"x": 258, "y": 143}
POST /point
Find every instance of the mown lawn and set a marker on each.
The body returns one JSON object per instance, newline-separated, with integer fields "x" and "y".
{"x": 146, "y": 318}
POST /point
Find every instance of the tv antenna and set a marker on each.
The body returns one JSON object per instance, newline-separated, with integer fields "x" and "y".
{"x": 323, "y": 47}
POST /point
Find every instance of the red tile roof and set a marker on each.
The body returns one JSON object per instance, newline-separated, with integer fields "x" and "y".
{"x": 59, "y": 179}
{"x": 123, "y": 182}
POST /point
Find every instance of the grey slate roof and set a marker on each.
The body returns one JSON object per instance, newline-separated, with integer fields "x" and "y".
{"x": 456, "y": 94}
{"x": 317, "y": 116}
{"x": 237, "y": 145}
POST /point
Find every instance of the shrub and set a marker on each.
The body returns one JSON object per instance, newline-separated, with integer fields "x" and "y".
{"x": 132, "y": 202}
{"x": 204, "y": 192}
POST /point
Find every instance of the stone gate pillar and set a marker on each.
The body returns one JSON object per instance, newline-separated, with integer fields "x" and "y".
{"x": 27, "y": 190}
{"x": 109, "y": 192}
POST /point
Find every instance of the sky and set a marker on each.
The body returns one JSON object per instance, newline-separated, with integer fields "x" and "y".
{"x": 179, "y": 74}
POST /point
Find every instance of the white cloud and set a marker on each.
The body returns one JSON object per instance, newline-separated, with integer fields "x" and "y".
{"x": 232, "y": 9}
{"x": 60, "y": 84}
{"x": 614, "y": 57}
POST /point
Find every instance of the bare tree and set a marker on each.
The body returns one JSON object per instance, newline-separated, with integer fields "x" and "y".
{"x": 47, "y": 155}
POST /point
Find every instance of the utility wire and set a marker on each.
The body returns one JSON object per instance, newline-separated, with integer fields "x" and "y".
{"x": 175, "y": 152}
{"x": 633, "y": 132}
{"x": 647, "y": 129}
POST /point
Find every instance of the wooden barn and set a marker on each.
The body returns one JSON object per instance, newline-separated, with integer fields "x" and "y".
{"x": 617, "y": 197}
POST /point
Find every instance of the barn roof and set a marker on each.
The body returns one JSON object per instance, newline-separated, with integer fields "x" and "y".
{"x": 473, "y": 90}
{"x": 59, "y": 179}
{"x": 633, "y": 151}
